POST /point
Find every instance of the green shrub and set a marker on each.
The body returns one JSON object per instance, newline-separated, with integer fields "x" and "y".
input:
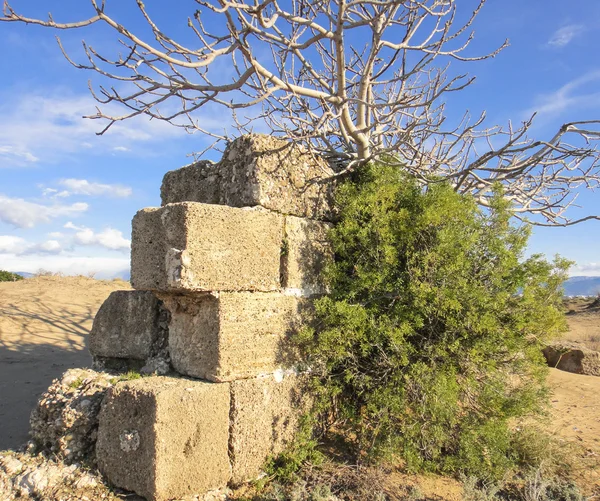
{"x": 429, "y": 342}
{"x": 7, "y": 276}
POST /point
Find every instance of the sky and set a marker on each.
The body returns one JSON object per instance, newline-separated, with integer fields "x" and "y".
{"x": 67, "y": 195}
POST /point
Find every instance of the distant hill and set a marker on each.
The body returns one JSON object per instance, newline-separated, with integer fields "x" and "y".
{"x": 124, "y": 275}
{"x": 582, "y": 286}
{"x": 24, "y": 274}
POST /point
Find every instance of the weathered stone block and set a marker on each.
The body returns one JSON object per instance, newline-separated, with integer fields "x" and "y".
{"x": 65, "y": 419}
{"x": 200, "y": 247}
{"x": 165, "y": 438}
{"x": 306, "y": 252}
{"x": 572, "y": 357}
{"x": 260, "y": 170}
{"x": 129, "y": 325}
{"x": 198, "y": 182}
{"x": 233, "y": 335}
{"x": 264, "y": 416}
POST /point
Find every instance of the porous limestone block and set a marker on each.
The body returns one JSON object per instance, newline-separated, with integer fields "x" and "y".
{"x": 129, "y": 325}
{"x": 198, "y": 182}
{"x": 257, "y": 169}
{"x": 572, "y": 357}
{"x": 306, "y": 251}
{"x": 232, "y": 335}
{"x": 192, "y": 246}
{"x": 265, "y": 415}
{"x": 165, "y": 438}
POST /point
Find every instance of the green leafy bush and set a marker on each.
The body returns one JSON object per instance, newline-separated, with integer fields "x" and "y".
{"x": 7, "y": 276}
{"x": 429, "y": 342}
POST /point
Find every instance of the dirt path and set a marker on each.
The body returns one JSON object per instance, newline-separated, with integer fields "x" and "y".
{"x": 576, "y": 419}
{"x": 44, "y": 323}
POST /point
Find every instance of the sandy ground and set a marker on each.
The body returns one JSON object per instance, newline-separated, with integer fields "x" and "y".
{"x": 576, "y": 419}
{"x": 584, "y": 323}
{"x": 44, "y": 323}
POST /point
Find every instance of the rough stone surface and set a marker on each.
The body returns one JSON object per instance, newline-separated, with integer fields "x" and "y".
{"x": 129, "y": 325}
{"x": 233, "y": 335}
{"x": 306, "y": 252}
{"x": 165, "y": 438}
{"x": 265, "y": 414}
{"x": 43, "y": 478}
{"x": 200, "y": 247}
{"x": 65, "y": 420}
{"x": 573, "y": 357}
{"x": 260, "y": 170}
{"x": 198, "y": 182}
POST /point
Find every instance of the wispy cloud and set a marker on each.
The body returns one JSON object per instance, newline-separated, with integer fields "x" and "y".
{"x": 586, "y": 269}
{"x": 23, "y": 214}
{"x": 565, "y": 35}
{"x": 50, "y": 126}
{"x": 579, "y": 93}
{"x": 85, "y": 187}
{"x": 17, "y": 154}
{"x": 109, "y": 238}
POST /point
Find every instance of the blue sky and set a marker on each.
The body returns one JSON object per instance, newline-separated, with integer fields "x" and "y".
{"x": 67, "y": 196}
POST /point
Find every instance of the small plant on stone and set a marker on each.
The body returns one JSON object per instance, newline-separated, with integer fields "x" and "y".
{"x": 76, "y": 384}
{"x": 128, "y": 376}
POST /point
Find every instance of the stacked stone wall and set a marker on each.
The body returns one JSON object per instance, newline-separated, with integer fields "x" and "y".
{"x": 225, "y": 273}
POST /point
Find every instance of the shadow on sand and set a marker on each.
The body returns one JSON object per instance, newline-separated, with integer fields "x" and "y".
{"x": 40, "y": 346}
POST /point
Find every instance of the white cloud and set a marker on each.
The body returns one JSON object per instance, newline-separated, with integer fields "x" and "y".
{"x": 49, "y": 125}
{"x": 586, "y": 269}
{"x": 23, "y": 214}
{"x": 578, "y": 93}
{"x": 108, "y": 238}
{"x": 18, "y": 246}
{"x": 85, "y": 187}
{"x": 17, "y": 153}
{"x": 11, "y": 245}
{"x": 47, "y": 247}
{"x": 563, "y": 36}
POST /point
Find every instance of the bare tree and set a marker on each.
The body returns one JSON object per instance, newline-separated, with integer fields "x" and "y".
{"x": 355, "y": 80}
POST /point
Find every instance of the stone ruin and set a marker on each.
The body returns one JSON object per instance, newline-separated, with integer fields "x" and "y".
{"x": 224, "y": 273}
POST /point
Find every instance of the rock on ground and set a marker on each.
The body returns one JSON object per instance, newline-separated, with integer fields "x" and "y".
{"x": 25, "y": 476}
{"x": 65, "y": 420}
{"x": 573, "y": 357}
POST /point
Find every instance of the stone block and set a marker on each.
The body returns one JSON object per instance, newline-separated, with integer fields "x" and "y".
{"x": 265, "y": 414}
{"x": 192, "y": 246}
{"x": 198, "y": 182}
{"x": 306, "y": 252}
{"x": 129, "y": 325}
{"x": 233, "y": 335}
{"x": 165, "y": 438}
{"x": 257, "y": 169}
{"x": 572, "y": 357}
